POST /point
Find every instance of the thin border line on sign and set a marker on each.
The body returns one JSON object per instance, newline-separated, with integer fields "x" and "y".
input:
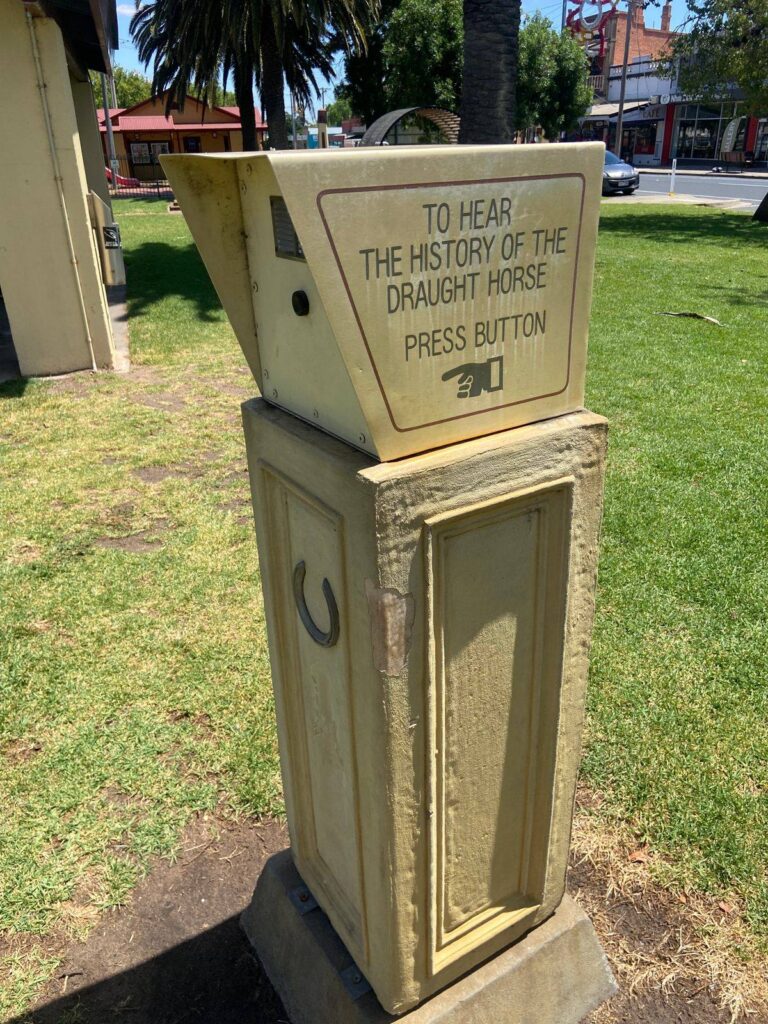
{"x": 446, "y": 184}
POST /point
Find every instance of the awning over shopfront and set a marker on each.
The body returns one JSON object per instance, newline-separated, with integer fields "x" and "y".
{"x": 609, "y": 111}
{"x": 645, "y": 114}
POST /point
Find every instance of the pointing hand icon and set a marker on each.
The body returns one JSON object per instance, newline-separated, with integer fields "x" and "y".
{"x": 474, "y": 378}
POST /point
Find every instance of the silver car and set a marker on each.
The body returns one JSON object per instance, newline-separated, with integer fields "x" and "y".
{"x": 618, "y": 176}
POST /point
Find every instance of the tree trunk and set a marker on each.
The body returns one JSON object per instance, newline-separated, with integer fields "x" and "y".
{"x": 244, "y": 95}
{"x": 490, "y": 71}
{"x": 272, "y": 84}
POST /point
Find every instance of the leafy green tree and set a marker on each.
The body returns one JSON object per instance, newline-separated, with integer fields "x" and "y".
{"x": 272, "y": 43}
{"x": 223, "y": 97}
{"x": 338, "y": 111}
{"x": 422, "y": 54}
{"x": 725, "y": 43}
{"x": 364, "y": 72}
{"x": 552, "y": 89}
{"x": 131, "y": 87}
{"x": 551, "y": 70}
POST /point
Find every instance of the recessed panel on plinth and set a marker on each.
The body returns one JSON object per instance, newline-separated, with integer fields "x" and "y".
{"x": 496, "y": 579}
{"x": 409, "y": 298}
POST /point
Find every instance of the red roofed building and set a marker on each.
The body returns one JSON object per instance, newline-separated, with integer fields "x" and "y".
{"x": 143, "y": 132}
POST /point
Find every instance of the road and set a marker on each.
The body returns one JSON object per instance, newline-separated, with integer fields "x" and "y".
{"x": 709, "y": 186}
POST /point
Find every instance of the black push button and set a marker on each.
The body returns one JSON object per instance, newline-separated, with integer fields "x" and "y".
{"x": 300, "y": 303}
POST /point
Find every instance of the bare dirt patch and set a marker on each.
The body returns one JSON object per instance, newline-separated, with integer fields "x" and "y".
{"x": 138, "y": 542}
{"x": 153, "y": 474}
{"x": 163, "y": 402}
{"x": 78, "y": 384}
{"x": 144, "y": 375}
{"x": 176, "y": 953}
{"x": 235, "y": 505}
{"x": 25, "y": 553}
{"x": 190, "y": 470}
{"x": 21, "y": 750}
{"x": 236, "y": 476}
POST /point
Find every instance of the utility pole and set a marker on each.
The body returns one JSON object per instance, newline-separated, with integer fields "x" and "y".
{"x": 293, "y": 120}
{"x": 562, "y": 20}
{"x": 113, "y": 162}
{"x": 620, "y": 114}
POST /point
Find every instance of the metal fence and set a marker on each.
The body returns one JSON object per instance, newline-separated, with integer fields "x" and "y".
{"x": 138, "y": 180}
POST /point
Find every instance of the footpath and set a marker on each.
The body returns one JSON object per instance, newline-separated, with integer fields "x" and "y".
{"x": 725, "y": 175}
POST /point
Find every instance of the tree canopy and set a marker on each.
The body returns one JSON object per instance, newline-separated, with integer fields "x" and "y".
{"x": 272, "y": 43}
{"x": 364, "y": 72}
{"x": 415, "y": 56}
{"x": 131, "y": 87}
{"x": 422, "y": 54}
{"x": 725, "y": 44}
{"x": 339, "y": 110}
{"x": 552, "y": 89}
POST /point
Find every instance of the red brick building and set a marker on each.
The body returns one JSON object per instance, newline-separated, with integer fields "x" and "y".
{"x": 643, "y": 41}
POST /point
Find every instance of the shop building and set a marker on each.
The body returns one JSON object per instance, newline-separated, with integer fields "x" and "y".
{"x": 660, "y": 125}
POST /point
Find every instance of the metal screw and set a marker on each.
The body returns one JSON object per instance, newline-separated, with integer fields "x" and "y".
{"x": 266, "y": 375}
{"x": 361, "y": 438}
{"x": 356, "y": 979}
{"x": 316, "y": 414}
{"x": 274, "y": 392}
{"x": 304, "y": 896}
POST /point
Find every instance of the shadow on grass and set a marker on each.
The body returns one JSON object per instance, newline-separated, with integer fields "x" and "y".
{"x": 686, "y": 225}
{"x": 739, "y": 296}
{"x": 144, "y": 197}
{"x": 157, "y": 270}
{"x": 13, "y": 388}
{"x": 212, "y": 978}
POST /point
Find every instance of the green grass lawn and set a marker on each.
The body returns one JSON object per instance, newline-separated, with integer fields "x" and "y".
{"x": 134, "y": 678}
{"x": 678, "y": 727}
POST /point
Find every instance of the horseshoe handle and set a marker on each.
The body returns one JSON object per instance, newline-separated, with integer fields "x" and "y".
{"x": 324, "y": 639}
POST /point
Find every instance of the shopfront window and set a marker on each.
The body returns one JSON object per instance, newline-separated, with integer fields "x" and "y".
{"x": 645, "y": 140}
{"x": 701, "y": 128}
{"x": 761, "y": 142}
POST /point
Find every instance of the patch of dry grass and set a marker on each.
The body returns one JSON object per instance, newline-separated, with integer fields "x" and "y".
{"x": 679, "y": 939}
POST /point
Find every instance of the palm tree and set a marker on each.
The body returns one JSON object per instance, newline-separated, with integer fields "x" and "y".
{"x": 490, "y": 71}
{"x": 266, "y": 42}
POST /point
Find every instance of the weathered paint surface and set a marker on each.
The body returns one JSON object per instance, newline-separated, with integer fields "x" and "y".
{"x": 392, "y": 616}
{"x": 42, "y": 287}
{"x": 429, "y": 756}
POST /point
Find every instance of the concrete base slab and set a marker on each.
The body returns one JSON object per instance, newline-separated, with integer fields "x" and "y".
{"x": 556, "y": 974}
{"x": 118, "y": 314}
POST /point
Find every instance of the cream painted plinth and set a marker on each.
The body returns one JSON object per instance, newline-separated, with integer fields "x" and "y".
{"x": 429, "y": 624}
